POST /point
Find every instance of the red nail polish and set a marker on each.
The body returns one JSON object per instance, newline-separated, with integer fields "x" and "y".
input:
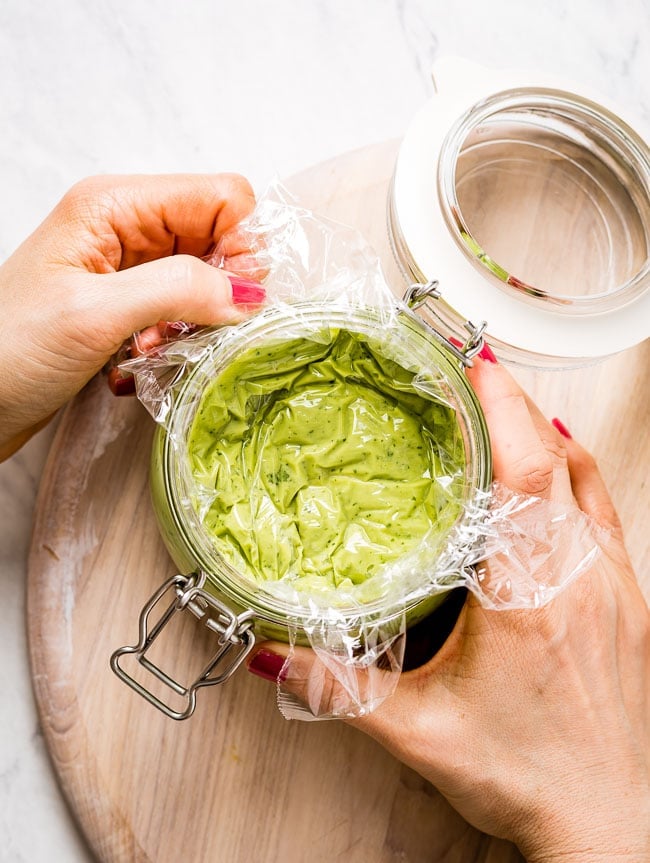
{"x": 455, "y": 342}
{"x": 121, "y": 385}
{"x": 563, "y": 430}
{"x": 246, "y": 292}
{"x": 268, "y": 665}
{"x": 486, "y": 354}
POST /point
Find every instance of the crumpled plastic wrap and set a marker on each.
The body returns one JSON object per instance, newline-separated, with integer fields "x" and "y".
{"x": 509, "y": 550}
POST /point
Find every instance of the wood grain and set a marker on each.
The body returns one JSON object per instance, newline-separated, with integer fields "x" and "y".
{"x": 237, "y": 782}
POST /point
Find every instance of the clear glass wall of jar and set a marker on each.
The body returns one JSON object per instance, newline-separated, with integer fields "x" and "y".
{"x": 411, "y": 344}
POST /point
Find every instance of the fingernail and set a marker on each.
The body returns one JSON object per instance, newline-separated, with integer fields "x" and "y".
{"x": 486, "y": 354}
{"x": 563, "y": 430}
{"x": 121, "y": 385}
{"x": 246, "y": 292}
{"x": 268, "y": 665}
{"x": 455, "y": 342}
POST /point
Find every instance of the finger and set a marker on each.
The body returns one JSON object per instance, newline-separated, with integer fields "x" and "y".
{"x": 145, "y": 340}
{"x": 299, "y": 673}
{"x": 242, "y": 251}
{"x": 379, "y": 702}
{"x": 247, "y": 265}
{"x": 246, "y": 294}
{"x": 555, "y": 444}
{"x": 163, "y": 332}
{"x": 321, "y": 682}
{"x": 179, "y": 288}
{"x": 529, "y": 456}
{"x": 589, "y": 488}
{"x": 128, "y": 220}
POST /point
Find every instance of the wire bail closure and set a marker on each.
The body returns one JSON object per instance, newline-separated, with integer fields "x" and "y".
{"x": 420, "y": 294}
{"x": 235, "y": 636}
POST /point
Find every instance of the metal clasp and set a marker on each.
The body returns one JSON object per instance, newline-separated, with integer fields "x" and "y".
{"x": 234, "y": 634}
{"x": 420, "y": 294}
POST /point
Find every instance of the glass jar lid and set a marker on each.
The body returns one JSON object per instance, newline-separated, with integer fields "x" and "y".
{"x": 531, "y": 206}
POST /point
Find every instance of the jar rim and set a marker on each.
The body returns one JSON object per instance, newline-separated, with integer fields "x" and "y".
{"x": 270, "y": 323}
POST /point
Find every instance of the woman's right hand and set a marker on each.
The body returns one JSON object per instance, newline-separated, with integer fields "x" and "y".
{"x": 534, "y": 724}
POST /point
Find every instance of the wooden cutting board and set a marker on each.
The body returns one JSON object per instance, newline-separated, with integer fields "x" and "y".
{"x": 237, "y": 782}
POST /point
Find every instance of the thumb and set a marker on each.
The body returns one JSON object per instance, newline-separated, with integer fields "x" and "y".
{"x": 368, "y": 688}
{"x": 321, "y": 683}
{"x": 305, "y": 685}
{"x": 179, "y": 287}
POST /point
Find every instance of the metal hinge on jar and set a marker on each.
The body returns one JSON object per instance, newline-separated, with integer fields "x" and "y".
{"x": 420, "y": 294}
{"x": 234, "y": 633}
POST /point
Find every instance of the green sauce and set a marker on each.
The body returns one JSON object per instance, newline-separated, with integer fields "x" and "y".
{"x": 321, "y": 462}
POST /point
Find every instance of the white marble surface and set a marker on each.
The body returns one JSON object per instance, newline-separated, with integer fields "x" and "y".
{"x": 265, "y": 89}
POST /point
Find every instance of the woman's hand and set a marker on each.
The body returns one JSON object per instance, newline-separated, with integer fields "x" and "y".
{"x": 534, "y": 724}
{"x": 117, "y": 255}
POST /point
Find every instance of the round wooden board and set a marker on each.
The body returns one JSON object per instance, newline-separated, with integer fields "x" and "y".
{"x": 237, "y": 782}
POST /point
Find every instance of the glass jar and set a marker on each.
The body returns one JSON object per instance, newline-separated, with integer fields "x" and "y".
{"x": 531, "y": 206}
{"x": 231, "y": 602}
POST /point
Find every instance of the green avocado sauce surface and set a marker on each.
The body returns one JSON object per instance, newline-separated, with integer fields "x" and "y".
{"x": 321, "y": 463}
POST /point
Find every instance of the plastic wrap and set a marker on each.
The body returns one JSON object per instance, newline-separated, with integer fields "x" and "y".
{"x": 511, "y": 551}
{"x": 332, "y": 320}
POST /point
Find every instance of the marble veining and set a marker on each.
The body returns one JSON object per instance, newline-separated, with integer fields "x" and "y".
{"x": 261, "y": 88}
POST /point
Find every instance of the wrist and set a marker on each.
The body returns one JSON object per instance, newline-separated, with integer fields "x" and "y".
{"x": 612, "y": 842}
{"x": 616, "y": 832}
